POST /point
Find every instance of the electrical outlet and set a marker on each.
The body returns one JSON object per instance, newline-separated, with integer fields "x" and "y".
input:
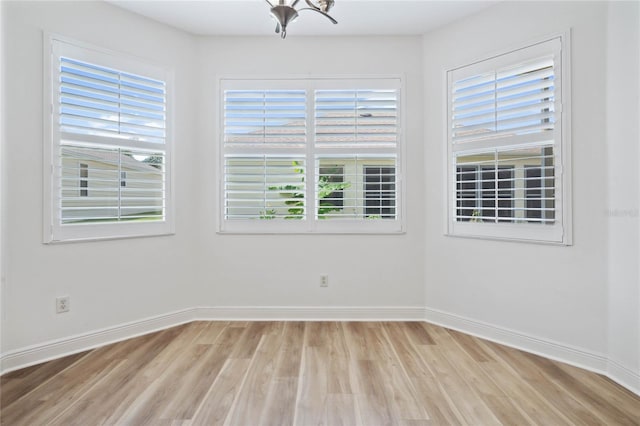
{"x": 324, "y": 280}
{"x": 63, "y": 304}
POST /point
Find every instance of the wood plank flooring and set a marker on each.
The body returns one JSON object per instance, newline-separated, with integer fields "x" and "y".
{"x": 311, "y": 373}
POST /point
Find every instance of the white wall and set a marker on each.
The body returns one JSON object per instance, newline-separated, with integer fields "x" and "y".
{"x": 110, "y": 282}
{"x": 106, "y": 280}
{"x": 263, "y": 270}
{"x": 555, "y": 293}
{"x": 548, "y": 298}
{"x": 623, "y": 137}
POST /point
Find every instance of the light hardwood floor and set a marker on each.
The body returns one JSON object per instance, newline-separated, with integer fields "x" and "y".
{"x": 311, "y": 373}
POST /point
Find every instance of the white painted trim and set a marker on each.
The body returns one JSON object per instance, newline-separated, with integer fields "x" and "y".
{"x": 58, "y": 348}
{"x": 311, "y": 313}
{"x": 623, "y": 376}
{"x": 578, "y": 357}
{"x": 544, "y": 347}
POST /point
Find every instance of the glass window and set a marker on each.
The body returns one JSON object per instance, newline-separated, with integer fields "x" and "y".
{"x": 507, "y": 147}
{"x": 110, "y": 140}
{"x": 307, "y": 150}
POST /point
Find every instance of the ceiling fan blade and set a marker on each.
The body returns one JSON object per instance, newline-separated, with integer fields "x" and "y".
{"x": 294, "y": 3}
{"x": 268, "y": 2}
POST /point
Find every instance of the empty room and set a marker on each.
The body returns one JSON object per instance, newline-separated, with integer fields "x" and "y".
{"x": 318, "y": 212}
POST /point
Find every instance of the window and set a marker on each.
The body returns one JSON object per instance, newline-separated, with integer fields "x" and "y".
{"x": 84, "y": 180}
{"x": 331, "y": 186}
{"x": 305, "y": 155}
{"x": 508, "y": 146}
{"x": 477, "y": 193}
{"x": 379, "y": 192}
{"x": 110, "y": 139}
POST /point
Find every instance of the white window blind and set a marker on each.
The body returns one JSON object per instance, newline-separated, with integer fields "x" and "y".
{"x": 96, "y": 100}
{"x": 110, "y": 151}
{"x": 356, "y": 123}
{"x": 302, "y": 155}
{"x": 360, "y": 117}
{"x": 507, "y": 147}
{"x": 265, "y": 187}
{"x": 110, "y": 184}
{"x": 265, "y": 117}
{"x": 505, "y": 102}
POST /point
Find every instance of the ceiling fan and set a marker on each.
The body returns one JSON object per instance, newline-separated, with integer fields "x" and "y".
{"x": 285, "y": 13}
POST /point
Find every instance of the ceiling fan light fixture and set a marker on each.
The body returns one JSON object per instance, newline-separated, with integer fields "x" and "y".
{"x": 323, "y": 5}
{"x": 285, "y": 13}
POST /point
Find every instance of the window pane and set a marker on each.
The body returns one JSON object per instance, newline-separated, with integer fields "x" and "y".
{"x": 84, "y": 180}
{"x": 466, "y": 201}
{"x": 331, "y": 186}
{"x": 356, "y": 187}
{"x": 92, "y": 187}
{"x": 96, "y": 100}
{"x": 533, "y": 183}
{"x": 363, "y": 117}
{"x": 497, "y": 192}
{"x": 380, "y": 192}
{"x": 517, "y": 100}
{"x": 265, "y": 117}
{"x": 506, "y": 186}
{"x": 264, "y": 187}
{"x": 142, "y": 186}
{"x": 475, "y": 187}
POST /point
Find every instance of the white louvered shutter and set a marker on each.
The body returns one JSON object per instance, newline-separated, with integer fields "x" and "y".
{"x": 504, "y": 103}
{"x": 96, "y": 100}
{"x": 505, "y": 143}
{"x": 300, "y": 151}
{"x": 264, "y": 162}
{"x": 356, "y": 117}
{"x": 357, "y": 178}
{"x": 110, "y": 150}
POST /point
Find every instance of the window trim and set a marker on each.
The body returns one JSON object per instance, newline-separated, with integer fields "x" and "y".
{"x": 53, "y": 231}
{"x": 525, "y": 232}
{"x": 312, "y": 225}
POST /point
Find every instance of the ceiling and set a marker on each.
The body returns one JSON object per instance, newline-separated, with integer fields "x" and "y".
{"x": 355, "y": 17}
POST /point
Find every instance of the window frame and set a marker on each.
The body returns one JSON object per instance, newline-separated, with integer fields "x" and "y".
{"x": 561, "y": 232}
{"x": 313, "y": 156}
{"x": 54, "y": 231}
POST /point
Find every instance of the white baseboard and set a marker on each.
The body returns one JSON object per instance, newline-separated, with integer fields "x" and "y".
{"x": 47, "y": 351}
{"x": 311, "y": 313}
{"x": 578, "y": 357}
{"x": 625, "y": 377}
{"x": 53, "y": 349}
{"x": 539, "y": 346}
{"x": 58, "y": 348}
